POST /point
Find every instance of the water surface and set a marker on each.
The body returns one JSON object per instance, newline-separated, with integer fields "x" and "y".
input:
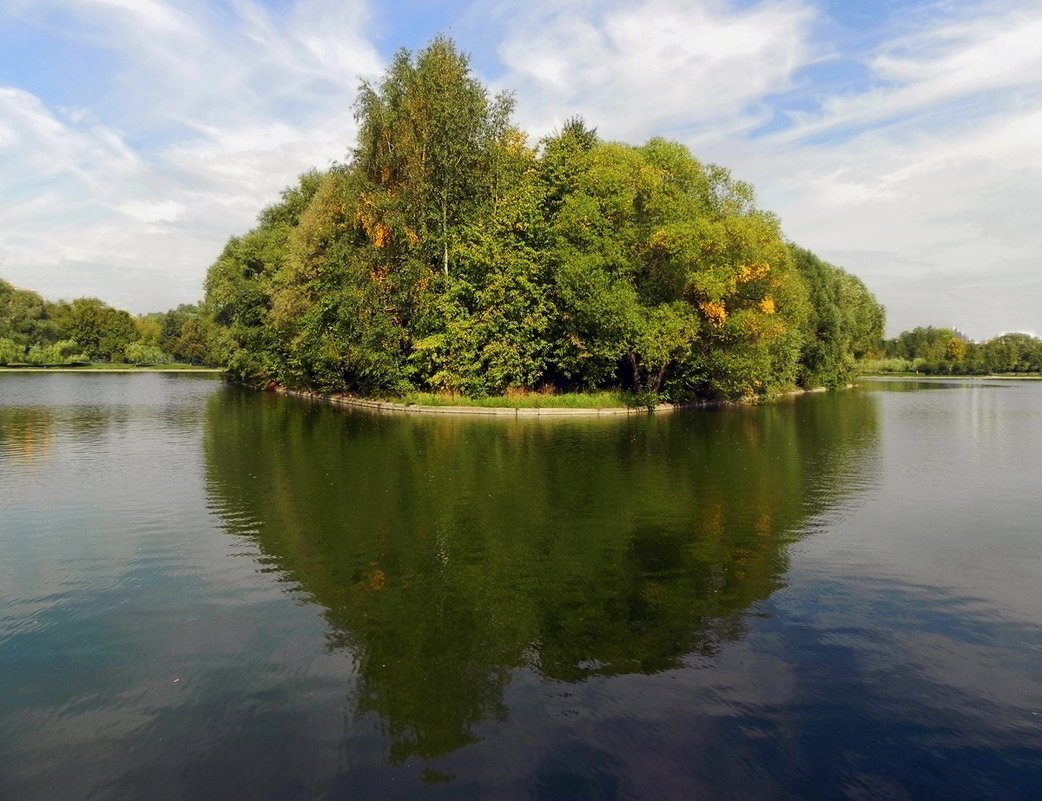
{"x": 211, "y": 593}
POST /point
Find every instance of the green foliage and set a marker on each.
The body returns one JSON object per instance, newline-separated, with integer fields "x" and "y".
{"x": 428, "y": 147}
{"x": 42, "y": 333}
{"x": 927, "y": 343}
{"x": 521, "y": 399}
{"x": 241, "y": 284}
{"x": 893, "y": 365}
{"x": 64, "y": 351}
{"x": 1011, "y": 353}
{"x": 449, "y": 256}
{"x": 845, "y": 322}
{"x": 11, "y": 351}
{"x": 144, "y": 354}
{"x": 103, "y": 333}
{"x": 150, "y": 328}
{"x": 25, "y": 317}
{"x": 186, "y": 333}
{"x": 945, "y": 351}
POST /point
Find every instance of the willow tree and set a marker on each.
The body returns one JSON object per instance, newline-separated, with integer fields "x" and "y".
{"x": 428, "y": 143}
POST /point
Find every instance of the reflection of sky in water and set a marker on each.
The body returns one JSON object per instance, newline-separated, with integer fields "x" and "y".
{"x": 957, "y": 506}
{"x": 860, "y": 690}
{"x": 147, "y": 652}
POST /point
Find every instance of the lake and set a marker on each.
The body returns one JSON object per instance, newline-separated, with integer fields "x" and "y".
{"x": 212, "y": 593}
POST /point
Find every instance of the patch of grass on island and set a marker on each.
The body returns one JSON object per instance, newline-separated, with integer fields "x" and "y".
{"x": 523, "y": 400}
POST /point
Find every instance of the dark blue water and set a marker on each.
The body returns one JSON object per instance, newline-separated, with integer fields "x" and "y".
{"x": 210, "y": 593}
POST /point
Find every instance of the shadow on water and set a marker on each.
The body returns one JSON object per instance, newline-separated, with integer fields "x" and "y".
{"x": 449, "y": 554}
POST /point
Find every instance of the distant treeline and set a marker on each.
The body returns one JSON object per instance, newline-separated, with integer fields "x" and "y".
{"x": 946, "y": 351}
{"x": 447, "y": 254}
{"x": 35, "y": 331}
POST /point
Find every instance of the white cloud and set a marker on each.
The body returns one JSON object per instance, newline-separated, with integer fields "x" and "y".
{"x": 654, "y": 66}
{"x": 211, "y": 113}
{"x": 961, "y": 61}
{"x": 39, "y": 143}
{"x": 151, "y": 13}
{"x": 153, "y": 211}
{"x": 936, "y": 209}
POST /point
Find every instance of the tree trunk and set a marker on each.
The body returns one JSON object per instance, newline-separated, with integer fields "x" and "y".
{"x": 445, "y": 235}
{"x": 636, "y": 371}
{"x": 659, "y": 378}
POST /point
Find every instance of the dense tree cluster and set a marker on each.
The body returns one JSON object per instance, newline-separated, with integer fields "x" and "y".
{"x": 844, "y": 324}
{"x": 946, "y": 351}
{"x": 449, "y": 255}
{"x": 35, "y": 331}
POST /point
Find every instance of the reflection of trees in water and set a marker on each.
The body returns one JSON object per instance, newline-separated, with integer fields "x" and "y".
{"x": 26, "y": 433}
{"x": 448, "y": 552}
{"x": 90, "y": 409}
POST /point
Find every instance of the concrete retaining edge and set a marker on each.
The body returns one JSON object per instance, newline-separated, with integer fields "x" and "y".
{"x": 517, "y": 412}
{"x": 474, "y": 411}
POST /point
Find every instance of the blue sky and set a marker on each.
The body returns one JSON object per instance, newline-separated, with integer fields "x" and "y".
{"x": 901, "y": 140}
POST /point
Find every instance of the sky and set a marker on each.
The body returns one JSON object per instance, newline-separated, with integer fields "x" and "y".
{"x": 898, "y": 139}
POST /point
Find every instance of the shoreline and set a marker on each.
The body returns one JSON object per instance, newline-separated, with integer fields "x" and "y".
{"x": 96, "y": 370}
{"x": 392, "y": 407}
{"x": 941, "y": 377}
{"x": 517, "y": 412}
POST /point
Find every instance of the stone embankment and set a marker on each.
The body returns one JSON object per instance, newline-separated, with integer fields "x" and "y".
{"x": 488, "y": 411}
{"x": 390, "y": 407}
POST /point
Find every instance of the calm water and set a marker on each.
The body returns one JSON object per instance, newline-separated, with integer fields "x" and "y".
{"x": 207, "y": 593}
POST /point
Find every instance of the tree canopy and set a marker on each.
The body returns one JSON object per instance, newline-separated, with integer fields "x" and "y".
{"x": 40, "y": 332}
{"x": 448, "y": 254}
{"x": 946, "y": 351}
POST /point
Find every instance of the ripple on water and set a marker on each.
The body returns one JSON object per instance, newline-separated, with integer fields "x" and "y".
{"x": 214, "y": 594}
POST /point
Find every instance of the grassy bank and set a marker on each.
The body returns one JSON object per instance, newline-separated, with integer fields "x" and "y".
{"x": 521, "y": 404}
{"x": 526, "y": 400}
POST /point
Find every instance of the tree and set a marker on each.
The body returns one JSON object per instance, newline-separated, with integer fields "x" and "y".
{"x": 449, "y": 255}
{"x": 652, "y": 244}
{"x": 10, "y": 351}
{"x": 955, "y": 349}
{"x": 927, "y": 343}
{"x": 497, "y": 308}
{"x": 241, "y": 283}
{"x": 1013, "y": 353}
{"x": 427, "y": 145}
{"x": 61, "y": 352}
{"x": 844, "y": 323}
{"x": 149, "y": 328}
{"x": 25, "y": 317}
{"x": 103, "y": 333}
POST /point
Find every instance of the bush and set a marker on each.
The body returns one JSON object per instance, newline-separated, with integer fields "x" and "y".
{"x": 11, "y": 351}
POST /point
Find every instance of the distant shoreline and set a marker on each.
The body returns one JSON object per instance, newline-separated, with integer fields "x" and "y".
{"x": 937, "y": 377}
{"x": 121, "y": 369}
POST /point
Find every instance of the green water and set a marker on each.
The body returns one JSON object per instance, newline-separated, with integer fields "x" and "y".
{"x": 213, "y": 593}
